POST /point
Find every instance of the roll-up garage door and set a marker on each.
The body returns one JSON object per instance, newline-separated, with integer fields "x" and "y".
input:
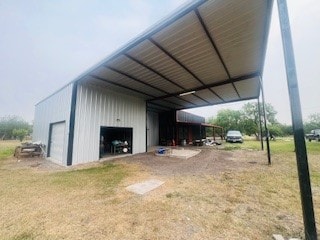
{"x": 57, "y": 142}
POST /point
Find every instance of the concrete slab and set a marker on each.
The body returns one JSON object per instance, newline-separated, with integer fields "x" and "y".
{"x": 184, "y": 153}
{"x": 280, "y": 237}
{"x": 277, "y": 237}
{"x": 144, "y": 187}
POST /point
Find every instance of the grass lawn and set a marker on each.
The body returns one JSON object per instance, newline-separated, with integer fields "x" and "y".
{"x": 7, "y": 148}
{"x": 281, "y": 145}
{"x": 90, "y": 202}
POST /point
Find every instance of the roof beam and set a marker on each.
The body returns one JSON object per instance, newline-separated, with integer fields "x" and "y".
{"x": 212, "y": 42}
{"x": 155, "y": 105}
{"x": 215, "y": 47}
{"x": 183, "y": 66}
{"x": 142, "y": 82}
{"x": 206, "y": 105}
{"x": 176, "y": 60}
{"x": 227, "y": 81}
{"x": 126, "y": 87}
{"x": 161, "y": 75}
{"x": 119, "y": 85}
{"x": 216, "y": 95}
{"x": 153, "y": 70}
{"x": 184, "y": 11}
{"x": 134, "y": 78}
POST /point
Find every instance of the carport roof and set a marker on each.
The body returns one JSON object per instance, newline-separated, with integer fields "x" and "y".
{"x": 207, "y": 53}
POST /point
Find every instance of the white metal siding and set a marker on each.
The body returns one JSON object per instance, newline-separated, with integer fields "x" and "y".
{"x": 152, "y": 129}
{"x": 55, "y": 108}
{"x": 98, "y": 107}
{"x": 57, "y": 142}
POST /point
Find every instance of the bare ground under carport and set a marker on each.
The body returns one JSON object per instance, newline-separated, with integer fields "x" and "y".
{"x": 210, "y": 160}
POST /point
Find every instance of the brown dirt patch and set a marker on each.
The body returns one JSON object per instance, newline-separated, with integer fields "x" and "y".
{"x": 208, "y": 161}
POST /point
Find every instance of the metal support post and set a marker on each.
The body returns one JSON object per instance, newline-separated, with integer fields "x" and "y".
{"x": 265, "y": 122}
{"x": 297, "y": 123}
{"x": 260, "y": 125}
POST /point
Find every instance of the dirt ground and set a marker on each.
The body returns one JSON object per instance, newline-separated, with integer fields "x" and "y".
{"x": 216, "y": 194}
{"x": 208, "y": 162}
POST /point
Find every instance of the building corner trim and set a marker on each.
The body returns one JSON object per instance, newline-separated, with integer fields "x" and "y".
{"x": 72, "y": 122}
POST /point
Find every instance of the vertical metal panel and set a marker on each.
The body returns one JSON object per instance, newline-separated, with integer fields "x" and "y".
{"x": 152, "y": 129}
{"x": 55, "y": 108}
{"x": 98, "y": 107}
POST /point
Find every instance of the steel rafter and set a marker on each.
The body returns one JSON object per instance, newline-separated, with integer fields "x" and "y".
{"x": 142, "y": 82}
{"x": 161, "y": 75}
{"x": 227, "y": 81}
{"x": 126, "y": 87}
{"x": 215, "y": 48}
{"x": 243, "y": 99}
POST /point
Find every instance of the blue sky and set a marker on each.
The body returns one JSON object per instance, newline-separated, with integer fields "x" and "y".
{"x": 46, "y": 44}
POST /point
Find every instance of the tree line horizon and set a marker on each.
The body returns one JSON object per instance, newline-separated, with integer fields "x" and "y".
{"x": 245, "y": 120}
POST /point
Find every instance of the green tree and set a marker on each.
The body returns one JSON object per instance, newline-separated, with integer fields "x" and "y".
{"x": 250, "y": 120}
{"x": 20, "y": 133}
{"x": 228, "y": 119}
{"x": 286, "y": 129}
{"x": 247, "y": 119}
{"x": 313, "y": 122}
{"x": 275, "y": 130}
{"x": 9, "y": 123}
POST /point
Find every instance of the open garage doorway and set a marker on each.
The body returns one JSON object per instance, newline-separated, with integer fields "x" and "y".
{"x": 115, "y": 141}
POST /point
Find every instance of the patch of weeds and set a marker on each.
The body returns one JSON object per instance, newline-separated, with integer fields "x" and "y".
{"x": 6, "y": 152}
{"x": 24, "y": 236}
{"x": 315, "y": 176}
{"x": 173, "y": 195}
{"x": 7, "y": 148}
{"x": 313, "y": 147}
{"x": 230, "y": 147}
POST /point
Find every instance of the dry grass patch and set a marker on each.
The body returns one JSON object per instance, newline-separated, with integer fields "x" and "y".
{"x": 7, "y": 149}
{"x": 248, "y": 202}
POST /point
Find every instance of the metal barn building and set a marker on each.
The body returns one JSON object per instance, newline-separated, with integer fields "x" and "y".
{"x": 207, "y": 53}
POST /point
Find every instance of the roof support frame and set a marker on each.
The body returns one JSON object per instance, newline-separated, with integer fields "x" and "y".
{"x": 227, "y": 81}
{"x": 191, "y": 7}
{"x": 142, "y": 82}
{"x": 161, "y": 75}
{"x": 180, "y": 64}
{"x": 214, "y": 45}
{"x": 152, "y": 70}
{"x": 243, "y": 99}
{"x": 132, "y": 89}
{"x": 158, "y": 107}
{"x": 175, "y": 59}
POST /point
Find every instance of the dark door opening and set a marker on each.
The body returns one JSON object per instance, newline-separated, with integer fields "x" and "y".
{"x": 115, "y": 140}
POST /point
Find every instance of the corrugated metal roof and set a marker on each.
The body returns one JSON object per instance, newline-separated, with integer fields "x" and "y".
{"x": 212, "y": 49}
